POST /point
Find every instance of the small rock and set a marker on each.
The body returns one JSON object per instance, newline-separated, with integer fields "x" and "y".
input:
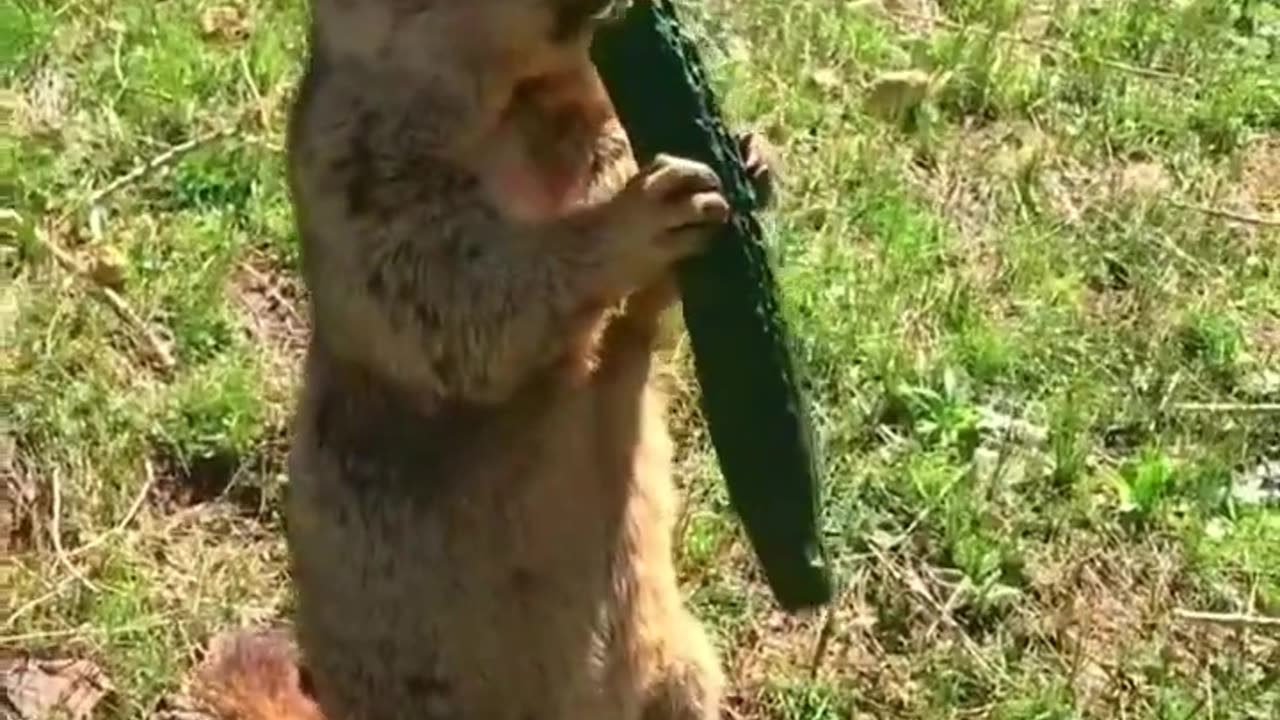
{"x": 225, "y": 23}
{"x": 1258, "y": 486}
{"x": 874, "y": 8}
{"x": 1145, "y": 180}
{"x": 892, "y": 94}
{"x": 826, "y": 79}
{"x": 107, "y": 267}
{"x": 1263, "y": 383}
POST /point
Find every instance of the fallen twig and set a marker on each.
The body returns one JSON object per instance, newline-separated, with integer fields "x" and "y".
{"x": 274, "y": 293}
{"x": 55, "y": 532}
{"x": 1227, "y": 619}
{"x": 824, "y": 639}
{"x": 1227, "y": 407}
{"x": 40, "y": 635}
{"x": 1045, "y": 45}
{"x": 151, "y": 165}
{"x": 946, "y": 612}
{"x": 62, "y": 584}
{"x": 87, "y": 630}
{"x": 152, "y": 345}
{"x": 129, "y": 514}
{"x": 941, "y": 612}
{"x": 1229, "y": 214}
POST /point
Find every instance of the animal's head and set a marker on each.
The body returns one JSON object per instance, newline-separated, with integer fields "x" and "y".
{"x": 524, "y": 37}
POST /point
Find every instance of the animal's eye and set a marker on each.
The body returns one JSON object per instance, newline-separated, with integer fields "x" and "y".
{"x": 572, "y": 17}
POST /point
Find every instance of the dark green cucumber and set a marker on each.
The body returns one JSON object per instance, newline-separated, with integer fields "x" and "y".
{"x": 750, "y": 397}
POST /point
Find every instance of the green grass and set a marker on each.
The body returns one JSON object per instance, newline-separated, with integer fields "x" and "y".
{"x": 1004, "y": 299}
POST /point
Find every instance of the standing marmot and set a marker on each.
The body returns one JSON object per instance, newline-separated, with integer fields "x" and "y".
{"x": 480, "y": 505}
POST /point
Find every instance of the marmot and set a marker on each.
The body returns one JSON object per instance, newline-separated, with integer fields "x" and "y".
{"x": 480, "y": 510}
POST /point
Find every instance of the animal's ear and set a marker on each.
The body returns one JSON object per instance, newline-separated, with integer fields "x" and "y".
{"x": 573, "y": 17}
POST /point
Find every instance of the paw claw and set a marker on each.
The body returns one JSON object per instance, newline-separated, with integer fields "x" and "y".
{"x": 758, "y": 156}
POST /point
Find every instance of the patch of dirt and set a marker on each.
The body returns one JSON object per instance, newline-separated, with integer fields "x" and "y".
{"x": 244, "y": 482}
{"x": 274, "y": 304}
{"x": 183, "y": 484}
{"x": 774, "y": 644}
{"x": 1097, "y": 611}
{"x": 917, "y": 16}
{"x": 876, "y": 641}
{"x": 44, "y": 109}
{"x": 963, "y": 184}
{"x": 1248, "y": 187}
{"x": 958, "y": 181}
{"x": 1072, "y": 187}
{"x": 1265, "y": 337}
{"x": 1146, "y": 180}
{"x": 17, "y": 499}
{"x": 1260, "y": 174}
{"x": 1102, "y": 606}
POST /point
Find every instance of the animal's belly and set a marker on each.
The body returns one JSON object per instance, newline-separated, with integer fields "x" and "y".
{"x": 496, "y": 598}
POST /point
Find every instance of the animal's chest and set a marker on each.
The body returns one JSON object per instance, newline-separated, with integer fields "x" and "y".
{"x": 537, "y": 184}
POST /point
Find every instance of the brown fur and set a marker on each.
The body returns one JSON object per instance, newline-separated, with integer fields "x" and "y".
{"x": 249, "y": 675}
{"x": 480, "y": 505}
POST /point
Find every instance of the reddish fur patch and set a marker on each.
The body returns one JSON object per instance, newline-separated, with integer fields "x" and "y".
{"x": 544, "y": 153}
{"x": 254, "y": 676}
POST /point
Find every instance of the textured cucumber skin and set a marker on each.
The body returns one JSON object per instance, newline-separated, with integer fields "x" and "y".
{"x": 750, "y": 397}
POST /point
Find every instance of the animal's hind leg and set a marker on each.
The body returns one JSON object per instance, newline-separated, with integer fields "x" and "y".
{"x": 691, "y": 684}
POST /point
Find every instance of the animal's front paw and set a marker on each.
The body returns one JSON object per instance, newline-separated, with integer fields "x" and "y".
{"x": 672, "y": 202}
{"x": 761, "y": 160}
{"x": 665, "y": 212}
{"x": 681, "y": 192}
